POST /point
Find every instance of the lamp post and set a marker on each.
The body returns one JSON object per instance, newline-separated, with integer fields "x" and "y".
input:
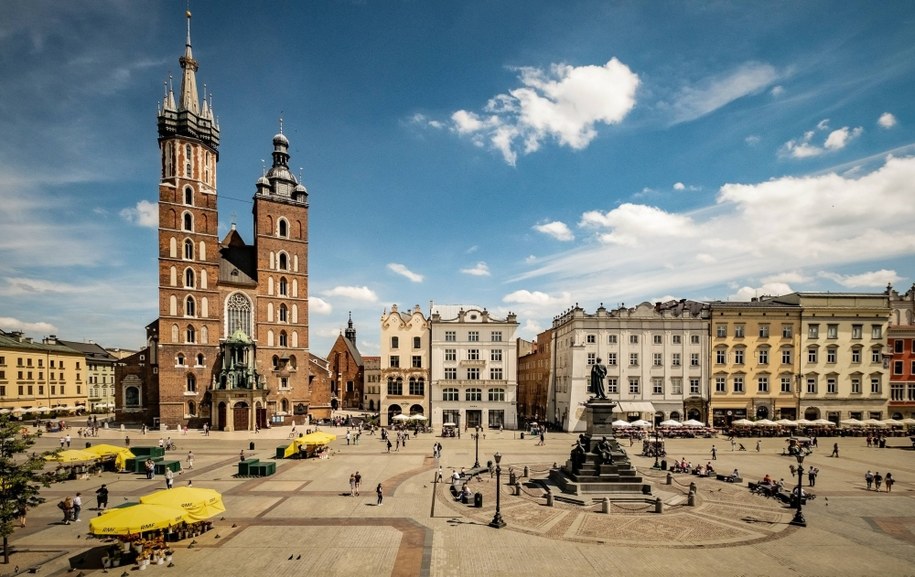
{"x": 799, "y": 515}
{"x": 657, "y": 448}
{"x": 476, "y": 457}
{"x": 497, "y": 521}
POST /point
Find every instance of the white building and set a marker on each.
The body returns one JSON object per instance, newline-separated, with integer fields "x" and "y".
{"x": 474, "y": 368}
{"x": 404, "y": 364}
{"x": 656, "y": 358}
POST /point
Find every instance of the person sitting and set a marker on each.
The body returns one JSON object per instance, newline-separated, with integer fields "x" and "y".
{"x": 465, "y": 494}
{"x": 709, "y": 469}
{"x": 733, "y": 477}
{"x": 767, "y": 480}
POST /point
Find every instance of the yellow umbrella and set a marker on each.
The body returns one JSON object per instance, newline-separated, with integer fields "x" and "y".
{"x": 137, "y": 519}
{"x": 72, "y": 456}
{"x": 121, "y": 454}
{"x": 309, "y": 440}
{"x": 199, "y": 503}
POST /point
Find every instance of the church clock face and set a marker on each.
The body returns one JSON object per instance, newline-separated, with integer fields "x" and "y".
{"x": 282, "y": 189}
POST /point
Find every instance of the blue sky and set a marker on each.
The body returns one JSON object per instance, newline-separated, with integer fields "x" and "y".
{"x": 518, "y": 155}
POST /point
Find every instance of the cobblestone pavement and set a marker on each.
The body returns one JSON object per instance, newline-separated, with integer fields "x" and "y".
{"x": 302, "y": 521}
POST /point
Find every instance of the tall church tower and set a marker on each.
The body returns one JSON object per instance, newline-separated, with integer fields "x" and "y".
{"x": 189, "y": 307}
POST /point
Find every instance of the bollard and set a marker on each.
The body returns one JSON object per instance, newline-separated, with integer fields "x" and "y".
{"x": 605, "y": 505}
{"x": 527, "y": 472}
{"x": 692, "y": 487}
{"x": 691, "y": 499}
{"x": 670, "y": 478}
{"x": 658, "y": 505}
{"x": 549, "y": 499}
{"x": 511, "y": 478}
{"x": 517, "y": 489}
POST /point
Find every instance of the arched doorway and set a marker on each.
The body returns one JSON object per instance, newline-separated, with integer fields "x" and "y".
{"x": 675, "y": 415}
{"x": 762, "y": 412}
{"x": 658, "y": 417}
{"x": 371, "y": 404}
{"x": 240, "y": 412}
{"x": 811, "y": 413}
{"x": 416, "y": 410}
{"x": 393, "y": 411}
{"x": 694, "y": 414}
{"x": 221, "y": 416}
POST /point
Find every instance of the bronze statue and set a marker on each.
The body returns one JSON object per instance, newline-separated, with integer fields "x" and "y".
{"x": 598, "y": 372}
{"x": 604, "y": 450}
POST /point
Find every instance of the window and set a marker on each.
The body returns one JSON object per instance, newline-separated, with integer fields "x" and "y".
{"x": 676, "y": 386}
{"x": 190, "y": 310}
{"x": 189, "y": 278}
{"x": 282, "y": 261}
{"x": 813, "y": 331}
{"x": 200, "y": 359}
{"x": 857, "y": 331}
{"x": 495, "y": 355}
{"x": 832, "y": 386}
{"x": 694, "y": 387}
{"x": 856, "y": 386}
{"x": 764, "y": 331}
{"x": 613, "y": 385}
{"x": 496, "y": 395}
{"x": 762, "y": 384}
{"x": 416, "y": 361}
{"x": 611, "y": 339}
{"x": 898, "y": 346}
{"x": 812, "y": 355}
{"x": 738, "y": 384}
{"x": 633, "y": 359}
{"x": 634, "y": 386}
{"x": 721, "y": 331}
{"x": 897, "y": 391}
{"x": 786, "y": 356}
{"x": 675, "y": 359}
{"x": 473, "y": 395}
{"x": 188, "y": 249}
{"x": 394, "y": 362}
{"x": 191, "y": 334}
{"x": 450, "y": 354}
{"x": 187, "y": 160}
{"x": 180, "y": 361}
{"x": 721, "y": 356}
{"x": 832, "y": 331}
{"x": 451, "y": 374}
{"x": 633, "y": 339}
{"x": 592, "y": 359}
{"x": 676, "y": 339}
{"x": 473, "y": 354}
{"x": 875, "y": 385}
{"x": 191, "y": 384}
{"x": 473, "y": 336}
{"x": 450, "y": 394}
{"x": 450, "y": 336}
{"x": 283, "y": 228}
{"x": 284, "y": 339}
{"x": 876, "y": 331}
{"x": 495, "y": 374}
{"x": 694, "y": 359}
{"x": 473, "y": 374}
{"x": 189, "y": 196}
{"x": 657, "y": 386}
{"x": 831, "y": 354}
{"x": 785, "y": 384}
{"x": 395, "y": 387}
{"x": 417, "y": 386}
{"x": 720, "y": 385}
{"x": 739, "y": 331}
{"x": 787, "y": 331}
{"x": 856, "y": 355}
{"x": 238, "y": 309}
{"x": 395, "y": 342}
{"x": 657, "y": 339}
{"x": 283, "y": 313}
{"x": 811, "y": 385}
{"x": 188, "y": 222}
{"x": 657, "y": 359}
{"x": 417, "y": 342}
{"x": 876, "y": 356}
{"x": 764, "y": 356}
{"x": 738, "y": 356}
{"x": 496, "y": 336}
{"x": 694, "y": 339}
{"x": 611, "y": 359}
{"x": 591, "y": 339}
{"x": 496, "y": 418}
{"x": 283, "y": 287}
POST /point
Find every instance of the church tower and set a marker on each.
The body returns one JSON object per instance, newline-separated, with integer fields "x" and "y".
{"x": 189, "y": 308}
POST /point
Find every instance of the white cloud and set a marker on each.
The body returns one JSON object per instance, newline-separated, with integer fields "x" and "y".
{"x": 10, "y": 324}
{"x": 790, "y": 277}
{"x": 356, "y": 293}
{"x": 534, "y": 298}
{"x": 767, "y": 289}
{"x": 777, "y": 91}
{"x": 564, "y": 104}
{"x": 145, "y": 214}
{"x": 715, "y": 92}
{"x": 873, "y": 279}
{"x": 631, "y": 224}
{"x": 17, "y": 286}
{"x": 886, "y": 120}
{"x": 836, "y": 140}
{"x": 319, "y": 306}
{"x": 403, "y": 271}
{"x": 752, "y": 140}
{"x": 556, "y": 229}
{"x": 823, "y": 124}
{"x": 679, "y": 186}
{"x": 480, "y": 269}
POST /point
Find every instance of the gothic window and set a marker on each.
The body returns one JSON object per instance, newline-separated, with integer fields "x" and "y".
{"x": 192, "y": 408}
{"x": 283, "y": 314}
{"x": 283, "y": 228}
{"x": 188, "y": 249}
{"x": 283, "y": 261}
{"x": 188, "y": 222}
{"x": 189, "y": 278}
{"x": 276, "y": 363}
{"x": 200, "y": 359}
{"x": 238, "y": 313}
{"x": 284, "y": 339}
{"x": 191, "y": 334}
{"x": 189, "y": 196}
{"x": 190, "y": 309}
{"x": 191, "y": 384}
{"x": 187, "y": 160}
{"x": 283, "y": 287}
{"x": 180, "y": 361}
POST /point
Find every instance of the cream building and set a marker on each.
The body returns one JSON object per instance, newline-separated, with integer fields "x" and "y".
{"x": 656, "y": 358}
{"x": 371, "y": 394}
{"x": 404, "y": 364}
{"x": 100, "y": 374}
{"x": 474, "y": 368}
{"x": 39, "y": 380}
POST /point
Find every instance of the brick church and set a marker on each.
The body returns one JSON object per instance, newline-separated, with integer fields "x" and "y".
{"x": 230, "y": 346}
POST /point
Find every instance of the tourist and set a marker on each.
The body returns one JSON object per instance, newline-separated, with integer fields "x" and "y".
{"x": 379, "y": 492}
{"x": 66, "y": 506}
{"x": 812, "y": 473}
{"x": 758, "y": 445}
{"x": 714, "y": 453}
{"x": 878, "y": 480}
{"x": 169, "y": 478}
{"x": 358, "y": 482}
{"x": 77, "y": 506}
{"x": 150, "y": 466}
{"x": 889, "y": 480}
{"x": 352, "y": 485}
{"x": 835, "y": 450}
{"x": 101, "y": 497}
{"x": 190, "y": 459}
{"x": 869, "y": 479}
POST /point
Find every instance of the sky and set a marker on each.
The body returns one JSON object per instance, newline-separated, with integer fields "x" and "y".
{"x": 520, "y": 155}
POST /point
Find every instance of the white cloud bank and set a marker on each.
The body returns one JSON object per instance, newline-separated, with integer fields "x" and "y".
{"x": 479, "y": 269}
{"x": 356, "y": 293}
{"x": 564, "y": 103}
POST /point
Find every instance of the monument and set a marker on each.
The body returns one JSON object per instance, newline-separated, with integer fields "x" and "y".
{"x": 597, "y": 463}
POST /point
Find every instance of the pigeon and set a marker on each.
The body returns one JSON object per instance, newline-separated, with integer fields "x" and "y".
{"x": 217, "y": 536}
{"x": 290, "y": 558}
{"x": 125, "y": 574}
{"x": 222, "y": 518}
{"x": 299, "y": 557}
{"x": 194, "y": 542}
{"x": 80, "y": 574}
{"x": 234, "y": 525}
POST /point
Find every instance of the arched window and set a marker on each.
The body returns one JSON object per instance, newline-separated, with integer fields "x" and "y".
{"x": 283, "y": 314}
{"x": 191, "y": 334}
{"x": 189, "y": 278}
{"x": 283, "y": 228}
{"x": 450, "y": 394}
{"x": 187, "y": 160}
{"x": 283, "y": 289}
{"x": 497, "y": 395}
{"x": 474, "y": 395}
{"x": 188, "y": 249}
{"x": 189, "y": 196}
{"x": 284, "y": 405}
{"x": 293, "y": 363}
{"x": 200, "y": 359}
{"x": 284, "y": 339}
{"x": 190, "y": 307}
{"x": 191, "y": 383}
{"x": 283, "y": 261}
{"x": 180, "y": 360}
{"x": 276, "y": 363}
{"x": 191, "y": 408}
{"x": 188, "y": 222}
{"x": 238, "y": 312}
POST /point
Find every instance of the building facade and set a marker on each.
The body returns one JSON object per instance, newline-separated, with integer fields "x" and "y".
{"x": 901, "y": 342}
{"x": 534, "y": 377}
{"x": 347, "y": 369}
{"x": 371, "y": 395}
{"x": 41, "y": 379}
{"x": 474, "y": 368}
{"x": 404, "y": 364}
{"x": 230, "y": 346}
{"x": 656, "y": 359}
{"x": 100, "y": 374}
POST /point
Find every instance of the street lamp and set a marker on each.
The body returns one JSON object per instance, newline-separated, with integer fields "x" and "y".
{"x": 497, "y": 521}
{"x": 657, "y": 448}
{"x": 476, "y": 458}
{"x": 799, "y": 515}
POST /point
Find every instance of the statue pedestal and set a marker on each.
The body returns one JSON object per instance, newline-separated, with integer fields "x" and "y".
{"x": 599, "y": 417}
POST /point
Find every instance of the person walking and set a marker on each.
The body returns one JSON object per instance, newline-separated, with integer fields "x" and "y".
{"x": 66, "y": 506}
{"x": 889, "y": 482}
{"x": 878, "y": 480}
{"x": 835, "y": 450}
{"x": 169, "y": 478}
{"x": 389, "y": 445}
{"x": 352, "y": 484}
{"x": 380, "y": 493}
{"x": 358, "y": 482}
{"x": 77, "y": 506}
{"x": 714, "y": 453}
{"x": 68, "y": 439}
{"x": 127, "y": 441}
{"x": 101, "y": 497}
{"x": 869, "y": 479}
{"x": 812, "y": 473}
{"x": 758, "y": 445}
{"x": 190, "y": 459}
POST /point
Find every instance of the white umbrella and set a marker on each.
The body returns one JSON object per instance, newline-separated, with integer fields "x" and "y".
{"x": 29, "y": 410}
{"x": 873, "y": 423}
{"x": 670, "y": 423}
{"x": 823, "y": 423}
{"x": 785, "y": 423}
{"x": 850, "y": 422}
{"x": 401, "y": 417}
{"x": 620, "y": 424}
{"x": 908, "y": 421}
{"x": 418, "y": 418}
{"x": 743, "y": 423}
{"x": 803, "y": 422}
{"x": 5, "y": 411}
{"x": 640, "y": 423}
{"x": 42, "y": 410}
{"x": 693, "y": 423}
{"x": 765, "y": 423}
{"x": 892, "y": 422}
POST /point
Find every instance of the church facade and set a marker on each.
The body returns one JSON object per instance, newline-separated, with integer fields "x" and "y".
{"x": 230, "y": 345}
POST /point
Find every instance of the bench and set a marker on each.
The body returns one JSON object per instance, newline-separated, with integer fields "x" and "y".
{"x": 173, "y": 466}
{"x": 138, "y": 465}
{"x": 729, "y": 478}
{"x": 262, "y": 469}
{"x": 244, "y": 467}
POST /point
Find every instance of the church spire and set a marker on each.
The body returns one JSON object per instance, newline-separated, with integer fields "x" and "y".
{"x": 350, "y": 333}
{"x": 189, "y": 100}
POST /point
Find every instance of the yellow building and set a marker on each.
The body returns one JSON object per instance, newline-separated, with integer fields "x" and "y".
{"x": 40, "y": 380}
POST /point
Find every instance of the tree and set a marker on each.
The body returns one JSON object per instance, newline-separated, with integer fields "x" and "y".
{"x": 21, "y": 477}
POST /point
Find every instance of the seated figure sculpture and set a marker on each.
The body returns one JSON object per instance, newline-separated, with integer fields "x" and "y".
{"x": 604, "y": 451}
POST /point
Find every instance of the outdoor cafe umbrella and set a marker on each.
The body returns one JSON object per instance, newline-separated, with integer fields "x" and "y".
{"x": 310, "y": 440}
{"x": 786, "y": 423}
{"x": 400, "y": 417}
{"x": 71, "y": 456}
{"x": 823, "y": 423}
{"x": 120, "y": 454}
{"x": 619, "y": 423}
{"x": 137, "y": 518}
{"x": 873, "y": 423}
{"x": 670, "y": 423}
{"x": 743, "y": 423}
{"x": 641, "y": 423}
{"x": 200, "y": 503}
{"x": 693, "y": 423}
{"x": 892, "y": 422}
{"x": 417, "y": 418}
{"x": 851, "y": 422}
{"x": 765, "y": 423}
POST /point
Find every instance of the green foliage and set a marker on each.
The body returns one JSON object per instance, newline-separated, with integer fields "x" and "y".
{"x": 21, "y": 474}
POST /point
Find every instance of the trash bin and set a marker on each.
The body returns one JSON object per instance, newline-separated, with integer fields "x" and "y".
{"x": 522, "y": 435}
{"x": 478, "y": 500}
{"x": 251, "y": 446}
{"x": 88, "y": 444}
{"x": 664, "y": 465}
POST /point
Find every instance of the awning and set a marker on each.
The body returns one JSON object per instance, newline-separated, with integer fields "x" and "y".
{"x": 635, "y": 407}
